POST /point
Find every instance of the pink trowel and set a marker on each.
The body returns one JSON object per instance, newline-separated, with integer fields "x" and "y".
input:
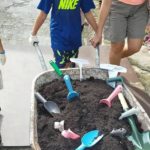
{"x": 109, "y": 100}
{"x": 65, "y": 133}
{"x": 70, "y": 134}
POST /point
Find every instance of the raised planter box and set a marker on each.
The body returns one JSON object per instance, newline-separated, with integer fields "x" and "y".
{"x": 48, "y": 76}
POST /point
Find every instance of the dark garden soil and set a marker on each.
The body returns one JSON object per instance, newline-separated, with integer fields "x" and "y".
{"x": 81, "y": 115}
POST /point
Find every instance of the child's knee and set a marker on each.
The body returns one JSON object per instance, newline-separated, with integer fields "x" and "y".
{"x": 134, "y": 48}
{"x": 117, "y": 47}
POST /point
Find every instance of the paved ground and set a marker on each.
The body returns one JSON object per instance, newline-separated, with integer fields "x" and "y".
{"x": 21, "y": 68}
{"x": 16, "y": 21}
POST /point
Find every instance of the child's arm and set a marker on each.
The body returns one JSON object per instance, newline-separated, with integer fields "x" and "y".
{"x": 103, "y": 13}
{"x": 2, "y": 54}
{"x": 38, "y": 23}
{"x": 91, "y": 20}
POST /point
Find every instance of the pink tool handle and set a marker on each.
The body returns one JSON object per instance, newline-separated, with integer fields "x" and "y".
{"x": 117, "y": 90}
{"x": 108, "y": 101}
{"x": 69, "y": 134}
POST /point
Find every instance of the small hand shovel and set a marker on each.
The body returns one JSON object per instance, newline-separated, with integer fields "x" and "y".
{"x": 72, "y": 94}
{"x": 113, "y": 71}
{"x": 109, "y": 100}
{"x": 70, "y": 134}
{"x": 130, "y": 112}
{"x": 119, "y": 132}
{"x": 141, "y": 141}
{"x": 56, "y": 68}
{"x": 90, "y": 139}
{"x": 50, "y": 106}
{"x": 80, "y": 63}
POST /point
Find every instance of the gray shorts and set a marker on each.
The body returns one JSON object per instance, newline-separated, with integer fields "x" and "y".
{"x": 126, "y": 21}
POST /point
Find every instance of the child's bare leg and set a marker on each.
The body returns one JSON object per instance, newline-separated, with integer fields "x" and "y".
{"x": 134, "y": 45}
{"x": 115, "y": 53}
{"x": 118, "y": 51}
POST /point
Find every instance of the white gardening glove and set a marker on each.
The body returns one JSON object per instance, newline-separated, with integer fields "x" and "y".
{"x": 33, "y": 39}
{"x": 2, "y": 58}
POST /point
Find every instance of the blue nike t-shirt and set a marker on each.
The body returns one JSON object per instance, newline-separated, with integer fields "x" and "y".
{"x": 65, "y": 26}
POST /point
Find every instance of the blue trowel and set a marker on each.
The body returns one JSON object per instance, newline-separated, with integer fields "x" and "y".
{"x": 72, "y": 94}
{"x": 90, "y": 139}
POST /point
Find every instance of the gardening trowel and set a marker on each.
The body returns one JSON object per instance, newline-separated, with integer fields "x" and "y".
{"x": 113, "y": 71}
{"x": 80, "y": 63}
{"x": 130, "y": 112}
{"x": 72, "y": 94}
{"x": 108, "y": 101}
{"x": 119, "y": 132}
{"x": 50, "y": 106}
{"x": 141, "y": 141}
{"x": 68, "y": 134}
{"x": 114, "y": 81}
{"x": 56, "y": 68}
{"x": 90, "y": 139}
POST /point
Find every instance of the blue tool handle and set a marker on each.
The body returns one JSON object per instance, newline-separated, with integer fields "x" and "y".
{"x": 81, "y": 147}
{"x": 68, "y": 83}
{"x": 40, "y": 98}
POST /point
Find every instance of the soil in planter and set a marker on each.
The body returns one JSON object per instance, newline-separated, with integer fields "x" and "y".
{"x": 81, "y": 115}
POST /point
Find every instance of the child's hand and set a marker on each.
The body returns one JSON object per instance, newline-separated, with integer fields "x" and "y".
{"x": 2, "y": 58}
{"x": 33, "y": 39}
{"x": 96, "y": 40}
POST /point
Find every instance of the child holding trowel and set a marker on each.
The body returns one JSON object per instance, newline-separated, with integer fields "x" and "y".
{"x": 65, "y": 27}
{"x": 127, "y": 19}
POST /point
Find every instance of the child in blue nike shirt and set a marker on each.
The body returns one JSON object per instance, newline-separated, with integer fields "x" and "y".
{"x": 65, "y": 26}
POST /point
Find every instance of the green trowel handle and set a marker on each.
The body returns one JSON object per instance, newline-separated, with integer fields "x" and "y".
{"x": 123, "y": 101}
{"x": 55, "y": 67}
{"x": 116, "y": 79}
